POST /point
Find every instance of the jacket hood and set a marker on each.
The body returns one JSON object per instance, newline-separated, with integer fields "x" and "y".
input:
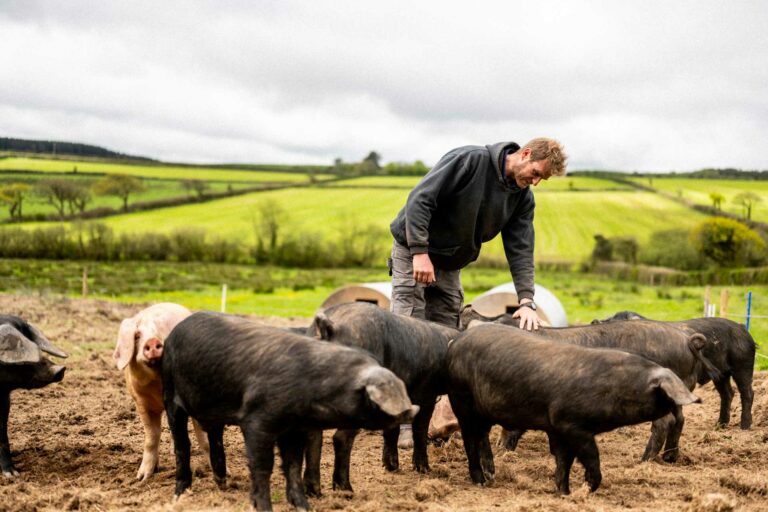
{"x": 496, "y": 151}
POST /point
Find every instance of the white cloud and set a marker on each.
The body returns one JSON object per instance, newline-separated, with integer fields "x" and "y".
{"x": 648, "y": 86}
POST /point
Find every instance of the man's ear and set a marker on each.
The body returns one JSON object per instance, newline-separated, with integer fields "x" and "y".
{"x": 525, "y": 154}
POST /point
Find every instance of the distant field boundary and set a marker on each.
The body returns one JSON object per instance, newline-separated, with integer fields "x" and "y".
{"x": 702, "y": 208}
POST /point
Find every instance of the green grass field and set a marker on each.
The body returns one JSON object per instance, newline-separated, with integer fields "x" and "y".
{"x": 284, "y": 292}
{"x": 153, "y": 171}
{"x": 698, "y": 191}
{"x": 566, "y": 222}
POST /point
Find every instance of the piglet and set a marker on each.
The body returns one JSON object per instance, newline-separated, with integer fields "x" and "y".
{"x": 519, "y": 380}
{"x": 275, "y": 385}
{"x": 138, "y": 353}
{"x": 22, "y": 366}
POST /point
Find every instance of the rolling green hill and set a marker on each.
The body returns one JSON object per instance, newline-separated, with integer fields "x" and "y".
{"x": 698, "y": 190}
{"x": 566, "y": 221}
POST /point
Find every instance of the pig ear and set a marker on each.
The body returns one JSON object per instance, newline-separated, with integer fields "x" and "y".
{"x": 674, "y": 388}
{"x": 323, "y": 326}
{"x": 125, "y": 343}
{"x": 385, "y": 399}
{"x": 15, "y": 348}
{"x": 44, "y": 344}
{"x": 475, "y": 323}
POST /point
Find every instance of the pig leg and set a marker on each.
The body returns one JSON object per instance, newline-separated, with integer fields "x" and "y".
{"x": 218, "y": 458}
{"x": 659, "y": 430}
{"x": 292, "y": 446}
{"x": 200, "y": 435}
{"x": 420, "y": 428}
{"x": 6, "y": 465}
{"x": 259, "y": 447}
{"x": 743, "y": 378}
{"x": 510, "y": 438}
{"x": 151, "y": 420}
{"x": 672, "y": 447}
{"x": 342, "y": 450}
{"x": 389, "y": 453}
{"x": 725, "y": 391}
{"x": 486, "y": 456}
{"x": 585, "y": 449}
{"x": 564, "y": 456}
{"x": 312, "y": 454}
{"x": 478, "y": 448}
{"x": 177, "y": 422}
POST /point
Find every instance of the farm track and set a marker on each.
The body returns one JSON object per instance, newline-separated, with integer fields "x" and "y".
{"x": 78, "y": 445}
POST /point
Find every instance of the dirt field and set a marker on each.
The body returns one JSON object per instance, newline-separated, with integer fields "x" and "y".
{"x": 78, "y": 445}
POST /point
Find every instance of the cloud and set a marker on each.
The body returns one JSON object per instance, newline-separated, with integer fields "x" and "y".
{"x": 651, "y": 86}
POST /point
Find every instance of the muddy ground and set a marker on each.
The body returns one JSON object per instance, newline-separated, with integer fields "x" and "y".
{"x": 78, "y": 446}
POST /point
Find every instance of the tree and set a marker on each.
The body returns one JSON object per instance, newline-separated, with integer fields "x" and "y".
{"x": 747, "y": 200}
{"x": 57, "y": 192}
{"x": 728, "y": 242}
{"x": 13, "y": 195}
{"x": 197, "y": 186}
{"x": 119, "y": 185}
{"x": 717, "y": 199}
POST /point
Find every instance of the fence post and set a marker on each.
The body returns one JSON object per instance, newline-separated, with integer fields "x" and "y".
{"x": 749, "y": 307}
{"x": 724, "y": 303}
{"x": 707, "y": 292}
{"x": 85, "y": 282}
{"x": 224, "y": 298}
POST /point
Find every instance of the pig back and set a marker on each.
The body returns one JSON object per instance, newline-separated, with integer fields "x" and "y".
{"x": 665, "y": 345}
{"x": 412, "y": 348}
{"x": 223, "y": 367}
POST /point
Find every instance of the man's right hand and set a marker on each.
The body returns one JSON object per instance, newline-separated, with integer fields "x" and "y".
{"x": 423, "y": 271}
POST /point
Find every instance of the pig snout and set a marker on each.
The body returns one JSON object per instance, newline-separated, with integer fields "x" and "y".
{"x": 408, "y": 415}
{"x": 153, "y": 351}
{"x": 57, "y": 373}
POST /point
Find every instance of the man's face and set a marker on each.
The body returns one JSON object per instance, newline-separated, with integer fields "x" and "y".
{"x": 528, "y": 173}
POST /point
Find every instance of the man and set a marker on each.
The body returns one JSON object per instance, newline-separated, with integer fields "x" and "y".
{"x": 471, "y": 195}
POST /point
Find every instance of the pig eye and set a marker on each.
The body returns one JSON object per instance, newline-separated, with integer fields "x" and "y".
{"x": 137, "y": 336}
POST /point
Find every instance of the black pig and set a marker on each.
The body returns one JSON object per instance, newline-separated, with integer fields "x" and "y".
{"x": 670, "y": 346}
{"x": 731, "y": 349}
{"x": 22, "y": 366}
{"x": 510, "y": 377}
{"x": 413, "y": 349}
{"x": 275, "y": 385}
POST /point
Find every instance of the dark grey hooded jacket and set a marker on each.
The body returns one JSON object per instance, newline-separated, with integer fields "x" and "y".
{"x": 465, "y": 201}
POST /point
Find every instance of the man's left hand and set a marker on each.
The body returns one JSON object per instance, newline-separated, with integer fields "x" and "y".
{"x": 529, "y": 320}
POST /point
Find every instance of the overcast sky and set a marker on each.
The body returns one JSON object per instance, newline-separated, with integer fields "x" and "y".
{"x": 651, "y": 85}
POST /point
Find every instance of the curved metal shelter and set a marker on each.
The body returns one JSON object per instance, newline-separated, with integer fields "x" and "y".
{"x": 503, "y": 299}
{"x": 375, "y": 293}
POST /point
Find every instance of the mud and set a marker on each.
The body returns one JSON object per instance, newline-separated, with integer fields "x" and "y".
{"x": 78, "y": 446}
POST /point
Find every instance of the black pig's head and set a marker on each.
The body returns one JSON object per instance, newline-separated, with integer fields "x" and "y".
{"x": 21, "y": 355}
{"x": 388, "y": 393}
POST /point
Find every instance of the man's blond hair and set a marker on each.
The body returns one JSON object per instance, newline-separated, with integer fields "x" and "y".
{"x": 543, "y": 148}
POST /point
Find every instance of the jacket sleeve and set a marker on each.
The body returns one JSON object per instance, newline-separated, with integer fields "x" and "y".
{"x": 518, "y": 238}
{"x": 423, "y": 199}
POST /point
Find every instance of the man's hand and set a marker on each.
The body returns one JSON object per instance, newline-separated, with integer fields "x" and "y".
{"x": 528, "y": 317}
{"x": 423, "y": 271}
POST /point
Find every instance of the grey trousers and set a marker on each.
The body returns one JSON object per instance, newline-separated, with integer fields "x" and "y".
{"x": 439, "y": 302}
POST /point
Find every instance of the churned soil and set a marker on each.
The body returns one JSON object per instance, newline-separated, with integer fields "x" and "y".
{"x": 78, "y": 445}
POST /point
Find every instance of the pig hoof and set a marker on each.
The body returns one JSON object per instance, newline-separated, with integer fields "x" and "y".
{"x": 670, "y": 457}
{"x": 312, "y": 490}
{"x": 342, "y": 486}
{"x": 221, "y": 483}
{"x": 10, "y": 474}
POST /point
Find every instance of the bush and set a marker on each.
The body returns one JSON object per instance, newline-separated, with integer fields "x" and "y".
{"x": 728, "y": 243}
{"x": 672, "y": 248}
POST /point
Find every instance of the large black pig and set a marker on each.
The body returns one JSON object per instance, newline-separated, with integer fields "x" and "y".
{"x": 413, "y": 349}
{"x": 510, "y": 377}
{"x": 22, "y": 366}
{"x": 670, "y": 346}
{"x": 275, "y": 385}
{"x": 731, "y": 349}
